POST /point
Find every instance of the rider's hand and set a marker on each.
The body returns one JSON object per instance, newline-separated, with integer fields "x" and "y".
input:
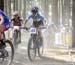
{"x": 26, "y": 28}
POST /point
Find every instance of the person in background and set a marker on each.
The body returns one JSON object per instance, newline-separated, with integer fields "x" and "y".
{"x": 4, "y": 26}
{"x": 17, "y": 20}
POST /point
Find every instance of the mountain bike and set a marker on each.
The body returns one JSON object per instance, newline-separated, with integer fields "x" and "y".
{"x": 16, "y": 36}
{"x": 35, "y": 43}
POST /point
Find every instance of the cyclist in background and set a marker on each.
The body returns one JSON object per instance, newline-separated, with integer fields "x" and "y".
{"x": 17, "y": 20}
{"x": 4, "y": 25}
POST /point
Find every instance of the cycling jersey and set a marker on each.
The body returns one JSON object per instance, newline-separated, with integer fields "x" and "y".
{"x": 17, "y": 21}
{"x": 36, "y": 17}
{"x": 6, "y": 19}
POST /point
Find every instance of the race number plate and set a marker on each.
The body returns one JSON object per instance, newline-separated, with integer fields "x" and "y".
{"x": 33, "y": 30}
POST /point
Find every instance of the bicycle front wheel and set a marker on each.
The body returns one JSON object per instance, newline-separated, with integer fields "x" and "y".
{"x": 9, "y": 51}
{"x": 31, "y": 49}
{"x": 15, "y": 36}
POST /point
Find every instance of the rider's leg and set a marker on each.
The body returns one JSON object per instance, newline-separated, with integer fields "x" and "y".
{"x": 41, "y": 37}
{"x": 40, "y": 33}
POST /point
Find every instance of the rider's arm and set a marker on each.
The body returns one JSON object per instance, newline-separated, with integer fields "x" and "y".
{"x": 28, "y": 17}
{"x": 26, "y": 21}
{"x": 44, "y": 20}
{"x": 42, "y": 17}
{"x": 12, "y": 19}
{"x": 22, "y": 21}
{"x": 12, "y": 22}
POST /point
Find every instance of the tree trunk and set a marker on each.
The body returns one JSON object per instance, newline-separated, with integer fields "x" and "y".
{"x": 15, "y": 6}
{"x": 73, "y": 24}
{"x": 9, "y": 8}
{"x": 24, "y": 9}
{"x": 55, "y": 12}
{"x": 5, "y": 6}
{"x": 2, "y": 5}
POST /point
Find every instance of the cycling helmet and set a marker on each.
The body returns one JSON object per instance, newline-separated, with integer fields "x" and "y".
{"x": 15, "y": 13}
{"x": 34, "y": 10}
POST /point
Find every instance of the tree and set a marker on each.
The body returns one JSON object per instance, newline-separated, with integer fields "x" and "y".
{"x": 73, "y": 24}
{"x": 2, "y": 4}
{"x": 24, "y": 9}
{"x": 15, "y": 5}
{"x": 55, "y": 12}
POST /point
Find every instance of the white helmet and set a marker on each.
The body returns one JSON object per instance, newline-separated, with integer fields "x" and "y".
{"x": 15, "y": 13}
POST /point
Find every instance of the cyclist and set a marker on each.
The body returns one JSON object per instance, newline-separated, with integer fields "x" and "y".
{"x": 4, "y": 25}
{"x": 35, "y": 14}
{"x": 17, "y": 20}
